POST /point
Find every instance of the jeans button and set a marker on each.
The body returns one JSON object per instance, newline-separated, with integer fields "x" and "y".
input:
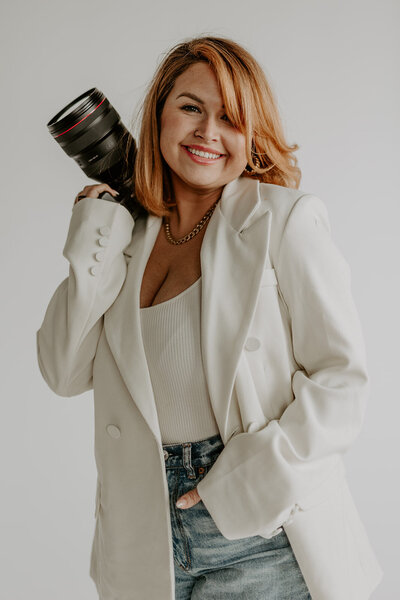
{"x": 166, "y": 454}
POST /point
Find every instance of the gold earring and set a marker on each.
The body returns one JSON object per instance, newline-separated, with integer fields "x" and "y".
{"x": 257, "y": 162}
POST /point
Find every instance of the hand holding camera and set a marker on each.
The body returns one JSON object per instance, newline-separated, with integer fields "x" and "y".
{"x": 95, "y": 191}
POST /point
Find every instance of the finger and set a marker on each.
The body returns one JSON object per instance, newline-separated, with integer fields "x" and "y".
{"x": 93, "y": 191}
{"x": 188, "y": 500}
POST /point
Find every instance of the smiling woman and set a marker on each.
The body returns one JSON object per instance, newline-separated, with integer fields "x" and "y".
{"x": 220, "y": 337}
{"x": 201, "y": 147}
{"x": 232, "y": 112}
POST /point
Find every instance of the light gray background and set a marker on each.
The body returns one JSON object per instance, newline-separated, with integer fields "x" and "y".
{"x": 334, "y": 69}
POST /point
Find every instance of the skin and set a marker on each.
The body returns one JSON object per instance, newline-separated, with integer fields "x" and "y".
{"x": 94, "y": 191}
{"x": 197, "y": 186}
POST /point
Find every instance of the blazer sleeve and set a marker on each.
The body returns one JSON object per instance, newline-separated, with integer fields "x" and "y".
{"x": 257, "y": 480}
{"x": 98, "y": 233}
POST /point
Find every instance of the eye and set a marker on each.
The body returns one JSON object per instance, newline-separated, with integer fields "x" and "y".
{"x": 188, "y": 107}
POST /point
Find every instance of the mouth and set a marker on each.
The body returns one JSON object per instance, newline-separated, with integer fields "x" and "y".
{"x": 202, "y": 157}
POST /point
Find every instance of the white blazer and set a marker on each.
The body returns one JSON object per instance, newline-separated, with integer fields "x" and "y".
{"x": 285, "y": 364}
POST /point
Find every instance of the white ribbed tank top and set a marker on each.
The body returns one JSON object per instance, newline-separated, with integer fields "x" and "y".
{"x": 171, "y": 338}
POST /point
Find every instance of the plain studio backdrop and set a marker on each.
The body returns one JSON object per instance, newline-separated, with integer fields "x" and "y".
{"x": 334, "y": 69}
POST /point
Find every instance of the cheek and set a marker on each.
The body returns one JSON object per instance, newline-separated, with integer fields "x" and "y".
{"x": 238, "y": 150}
{"x": 171, "y": 126}
{"x": 171, "y": 133}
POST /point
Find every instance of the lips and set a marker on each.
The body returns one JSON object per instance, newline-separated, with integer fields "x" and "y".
{"x": 204, "y": 149}
{"x": 202, "y": 160}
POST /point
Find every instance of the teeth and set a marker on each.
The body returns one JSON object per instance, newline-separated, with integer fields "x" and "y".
{"x": 203, "y": 154}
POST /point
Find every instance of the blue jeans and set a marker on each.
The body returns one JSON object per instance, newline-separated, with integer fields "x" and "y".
{"x": 207, "y": 565}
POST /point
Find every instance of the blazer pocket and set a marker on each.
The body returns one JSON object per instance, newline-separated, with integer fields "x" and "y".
{"x": 269, "y": 277}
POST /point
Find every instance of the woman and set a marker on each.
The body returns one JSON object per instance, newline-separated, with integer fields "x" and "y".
{"x": 221, "y": 340}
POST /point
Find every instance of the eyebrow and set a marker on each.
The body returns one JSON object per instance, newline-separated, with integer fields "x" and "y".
{"x": 194, "y": 97}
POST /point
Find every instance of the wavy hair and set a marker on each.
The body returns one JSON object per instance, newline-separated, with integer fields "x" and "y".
{"x": 249, "y": 105}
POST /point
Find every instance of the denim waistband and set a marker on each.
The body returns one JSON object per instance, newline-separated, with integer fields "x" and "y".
{"x": 194, "y": 453}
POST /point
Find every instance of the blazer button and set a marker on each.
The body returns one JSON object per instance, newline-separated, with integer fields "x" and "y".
{"x": 103, "y": 241}
{"x": 105, "y": 230}
{"x": 113, "y": 431}
{"x": 252, "y": 343}
{"x": 100, "y": 255}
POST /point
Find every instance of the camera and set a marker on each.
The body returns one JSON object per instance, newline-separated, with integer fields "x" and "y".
{"x": 90, "y": 131}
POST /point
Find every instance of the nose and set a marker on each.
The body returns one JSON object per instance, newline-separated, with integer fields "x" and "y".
{"x": 207, "y": 130}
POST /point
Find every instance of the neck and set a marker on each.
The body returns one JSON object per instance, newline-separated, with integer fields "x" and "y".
{"x": 191, "y": 206}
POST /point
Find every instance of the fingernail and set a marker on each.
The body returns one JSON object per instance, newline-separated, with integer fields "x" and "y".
{"x": 181, "y": 503}
{"x": 116, "y": 193}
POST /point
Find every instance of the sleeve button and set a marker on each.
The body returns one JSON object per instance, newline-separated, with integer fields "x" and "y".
{"x": 99, "y": 255}
{"x": 94, "y": 270}
{"x": 103, "y": 241}
{"x": 105, "y": 230}
{"x": 113, "y": 431}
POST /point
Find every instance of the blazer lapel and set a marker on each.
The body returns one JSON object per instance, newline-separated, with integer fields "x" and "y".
{"x": 232, "y": 256}
{"x": 123, "y": 327}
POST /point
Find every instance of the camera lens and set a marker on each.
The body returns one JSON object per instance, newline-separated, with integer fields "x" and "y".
{"x": 90, "y": 131}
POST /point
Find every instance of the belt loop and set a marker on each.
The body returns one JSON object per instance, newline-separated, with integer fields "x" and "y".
{"x": 187, "y": 460}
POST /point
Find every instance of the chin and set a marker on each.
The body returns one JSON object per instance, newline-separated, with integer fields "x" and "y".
{"x": 204, "y": 182}
{"x": 198, "y": 178}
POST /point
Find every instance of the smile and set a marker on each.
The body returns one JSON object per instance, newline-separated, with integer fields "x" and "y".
{"x": 202, "y": 157}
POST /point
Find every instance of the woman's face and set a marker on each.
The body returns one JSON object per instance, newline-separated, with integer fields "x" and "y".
{"x": 200, "y": 123}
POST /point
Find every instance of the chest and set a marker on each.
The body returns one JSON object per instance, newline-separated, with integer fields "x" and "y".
{"x": 170, "y": 269}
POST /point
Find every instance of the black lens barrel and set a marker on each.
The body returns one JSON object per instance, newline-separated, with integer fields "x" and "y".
{"x": 75, "y": 114}
{"x": 90, "y": 131}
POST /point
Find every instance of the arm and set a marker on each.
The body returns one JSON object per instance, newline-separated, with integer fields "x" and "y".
{"x": 257, "y": 479}
{"x": 68, "y": 337}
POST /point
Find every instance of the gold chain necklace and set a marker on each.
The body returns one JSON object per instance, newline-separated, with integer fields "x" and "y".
{"x": 195, "y": 229}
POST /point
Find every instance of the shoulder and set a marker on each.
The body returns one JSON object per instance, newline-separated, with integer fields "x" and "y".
{"x": 294, "y": 211}
{"x": 296, "y": 204}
